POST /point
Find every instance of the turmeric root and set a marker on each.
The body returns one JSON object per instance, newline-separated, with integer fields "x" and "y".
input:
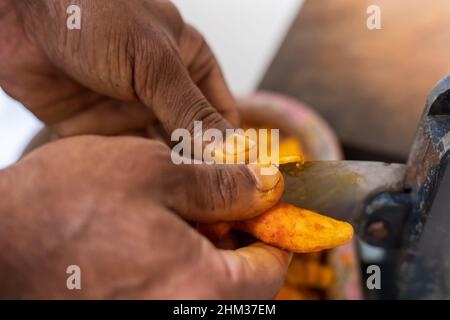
{"x": 311, "y": 274}
{"x": 291, "y": 293}
{"x": 297, "y": 230}
{"x": 291, "y": 228}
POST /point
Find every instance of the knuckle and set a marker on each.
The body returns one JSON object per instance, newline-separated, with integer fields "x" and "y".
{"x": 154, "y": 59}
{"x": 205, "y": 189}
{"x": 201, "y": 110}
{"x": 224, "y": 182}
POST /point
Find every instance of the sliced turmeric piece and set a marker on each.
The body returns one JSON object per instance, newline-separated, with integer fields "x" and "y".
{"x": 290, "y": 293}
{"x": 297, "y": 230}
{"x": 310, "y": 274}
{"x": 290, "y": 147}
{"x": 288, "y": 227}
{"x": 289, "y": 159}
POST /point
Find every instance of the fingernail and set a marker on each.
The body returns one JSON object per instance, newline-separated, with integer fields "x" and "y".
{"x": 264, "y": 181}
{"x": 237, "y": 148}
{"x": 241, "y": 144}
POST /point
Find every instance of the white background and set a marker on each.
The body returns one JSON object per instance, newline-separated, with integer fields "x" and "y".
{"x": 244, "y": 34}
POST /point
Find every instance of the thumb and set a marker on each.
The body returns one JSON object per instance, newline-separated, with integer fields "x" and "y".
{"x": 257, "y": 271}
{"x": 212, "y": 193}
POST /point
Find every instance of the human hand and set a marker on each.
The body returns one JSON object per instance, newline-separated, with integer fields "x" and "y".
{"x": 116, "y": 207}
{"x": 133, "y": 65}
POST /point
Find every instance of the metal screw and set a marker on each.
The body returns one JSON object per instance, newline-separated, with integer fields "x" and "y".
{"x": 378, "y": 230}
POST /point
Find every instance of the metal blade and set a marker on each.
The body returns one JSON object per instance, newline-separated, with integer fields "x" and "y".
{"x": 338, "y": 188}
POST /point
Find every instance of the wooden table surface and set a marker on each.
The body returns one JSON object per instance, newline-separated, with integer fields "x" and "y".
{"x": 370, "y": 85}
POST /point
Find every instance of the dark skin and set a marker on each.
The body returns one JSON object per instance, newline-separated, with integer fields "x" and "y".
{"x": 117, "y": 206}
{"x": 133, "y": 64}
{"x": 116, "y": 218}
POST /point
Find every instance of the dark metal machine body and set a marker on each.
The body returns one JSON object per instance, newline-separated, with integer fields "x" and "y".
{"x": 413, "y": 224}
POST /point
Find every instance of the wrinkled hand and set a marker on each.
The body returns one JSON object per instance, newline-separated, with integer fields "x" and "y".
{"x": 116, "y": 208}
{"x": 134, "y": 64}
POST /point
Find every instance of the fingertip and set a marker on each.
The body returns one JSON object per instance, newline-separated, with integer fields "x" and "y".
{"x": 265, "y": 193}
{"x": 269, "y": 253}
{"x": 232, "y": 116}
{"x": 258, "y": 270}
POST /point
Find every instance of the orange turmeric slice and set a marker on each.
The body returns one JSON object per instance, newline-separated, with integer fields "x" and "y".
{"x": 297, "y": 230}
{"x": 291, "y": 293}
{"x": 290, "y": 228}
{"x": 290, "y": 146}
{"x": 311, "y": 274}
